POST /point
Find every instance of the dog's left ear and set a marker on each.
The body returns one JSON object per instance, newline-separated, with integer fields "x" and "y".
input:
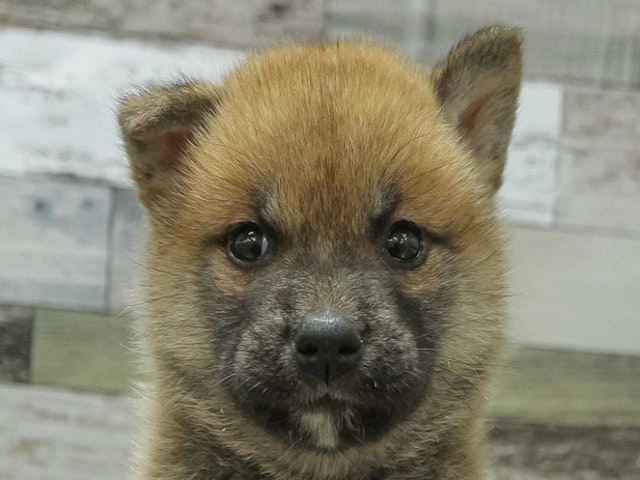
{"x": 477, "y": 85}
{"x": 158, "y": 124}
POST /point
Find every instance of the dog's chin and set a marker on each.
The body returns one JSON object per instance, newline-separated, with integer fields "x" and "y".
{"x": 324, "y": 419}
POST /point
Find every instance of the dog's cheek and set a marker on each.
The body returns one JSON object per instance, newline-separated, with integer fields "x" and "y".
{"x": 262, "y": 359}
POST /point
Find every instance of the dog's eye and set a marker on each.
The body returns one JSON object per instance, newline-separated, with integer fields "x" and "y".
{"x": 247, "y": 243}
{"x": 405, "y": 243}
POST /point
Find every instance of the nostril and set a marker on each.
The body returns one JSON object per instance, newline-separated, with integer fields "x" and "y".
{"x": 349, "y": 349}
{"x": 308, "y": 349}
{"x": 327, "y": 347}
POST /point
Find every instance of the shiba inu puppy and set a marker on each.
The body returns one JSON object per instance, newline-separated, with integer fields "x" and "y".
{"x": 324, "y": 271}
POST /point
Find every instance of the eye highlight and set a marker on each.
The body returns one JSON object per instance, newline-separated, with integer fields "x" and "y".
{"x": 405, "y": 244}
{"x": 247, "y": 243}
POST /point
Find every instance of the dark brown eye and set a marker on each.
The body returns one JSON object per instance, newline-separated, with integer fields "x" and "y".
{"x": 247, "y": 243}
{"x": 405, "y": 243}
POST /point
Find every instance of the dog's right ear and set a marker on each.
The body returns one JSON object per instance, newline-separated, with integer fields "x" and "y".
{"x": 157, "y": 125}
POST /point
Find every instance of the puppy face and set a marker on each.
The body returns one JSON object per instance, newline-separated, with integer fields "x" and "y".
{"x": 324, "y": 262}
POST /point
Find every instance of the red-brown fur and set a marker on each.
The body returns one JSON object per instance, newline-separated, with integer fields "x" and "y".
{"x": 318, "y": 131}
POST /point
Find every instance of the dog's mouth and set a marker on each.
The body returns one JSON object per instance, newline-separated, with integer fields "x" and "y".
{"x": 330, "y": 402}
{"x": 351, "y": 412}
{"x": 355, "y": 409}
{"x": 330, "y": 421}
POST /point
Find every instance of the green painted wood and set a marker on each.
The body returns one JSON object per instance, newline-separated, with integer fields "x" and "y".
{"x": 93, "y": 352}
{"x": 15, "y": 343}
{"x": 49, "y": 434}
{"x": 529, "y": 451}
{"x": 82, "y": 350}
{"x": 569, "y": 388}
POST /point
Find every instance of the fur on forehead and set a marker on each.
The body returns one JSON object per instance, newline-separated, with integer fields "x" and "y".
{"x": 337, "y": 131}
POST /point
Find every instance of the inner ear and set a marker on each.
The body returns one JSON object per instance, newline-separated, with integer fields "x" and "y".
{"x": 171, "y": 144}
{"x": 477, "y": 85}
{"x": 157, "y": 156}
{"x": 158, "y": 125}
{"x": 468, "y": 118}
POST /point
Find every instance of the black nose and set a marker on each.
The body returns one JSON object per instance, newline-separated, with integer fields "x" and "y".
{"x": 328, "y": 347}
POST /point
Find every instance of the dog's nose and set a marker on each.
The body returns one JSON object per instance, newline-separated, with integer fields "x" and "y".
{"x": 327, "y": 347}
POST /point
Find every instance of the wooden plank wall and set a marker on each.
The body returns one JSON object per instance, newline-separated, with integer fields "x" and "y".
{"x": 585, "y": 41}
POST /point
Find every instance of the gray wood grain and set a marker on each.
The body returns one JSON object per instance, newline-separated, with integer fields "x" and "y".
{"x": 240, "y": 23}
{"x": 599, "y": 186}
{"x": 289, "y": 20}
{"x": 222, "y": 22}
{"x": 58, "y": 93}
{"x": 601, "y": 115}
{"x": 60, "y": 435}
{"x": 56, "y": 435}
{"x": 582, "y": 40}
{"x": 575, "y": 291}
{"x": 53, "y": 242}
{"x": 92, "y": 14}
{"x": 528, "y": 192}
{"x": 16, "y": 324}
{"x": 530, "y": 451}
{"x": 125, "y": 250}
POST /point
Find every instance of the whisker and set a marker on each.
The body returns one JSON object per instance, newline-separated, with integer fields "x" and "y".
{"x": 153, "y": 269}
{"x": 152, "y": 300}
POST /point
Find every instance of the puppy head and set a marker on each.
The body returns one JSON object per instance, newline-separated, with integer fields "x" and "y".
{"x": 324, "y": 265}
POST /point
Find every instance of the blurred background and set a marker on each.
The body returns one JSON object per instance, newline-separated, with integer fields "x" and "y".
{"x": 567, "y": 406}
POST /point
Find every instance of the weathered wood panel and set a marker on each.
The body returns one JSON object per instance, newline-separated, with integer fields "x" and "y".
{"x": 525, "y": 451}
{"x": 16, "y": 324}
{"x": 528, "y": 193}
{"x": 58, "y": 93}
{"x": 601, "y": 115}
{"x": 53, "y": 243}
{"x": 573, "y": 290}
{"x": 57, "y": 435}
{"x": 281, "y": 21}
{"x": 246, "y": 23}
{"x": 599, "y": 166}
{"x": 215, "y": 21}
{"x": 94, "y": 353}
{"x": 562, "y": 387}
{"x": 585, "y": 40}
{"x": 85, "y": 14}
{"x": 582, "y": 40}
{"x": 380, "y": 19}
{"x": 599, "y": 187}
{"x": 126, "y": 247}
{"x": 83, "y": 351}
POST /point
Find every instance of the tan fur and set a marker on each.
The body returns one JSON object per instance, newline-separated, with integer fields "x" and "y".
{"x": 314, "y": 130}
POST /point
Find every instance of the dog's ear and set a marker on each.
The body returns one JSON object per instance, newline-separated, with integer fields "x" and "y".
{"x": 477, "y": 85}
{"x": 157, "y": 125}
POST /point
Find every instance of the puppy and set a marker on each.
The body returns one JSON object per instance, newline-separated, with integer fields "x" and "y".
{"x": 324, "y": 276}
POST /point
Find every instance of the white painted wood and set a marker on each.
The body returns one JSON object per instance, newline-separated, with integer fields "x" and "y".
{"x": 59, "y": 435}
{"x": 127, "y": 245}
{"x": 575, "y": 291}
{"x": 604, "y": 116}
{"x": 58, "y": 94}
{"x": 584, "y": 40}
{"x": 93, "y": 14}
{"x": 284, "y": 21}
{"x": 529, "y": 190}
{"x": 53, "y": 243}
{"x": 381, "y": 20}
{"x": 244, "y": 23}
{"x": 224, "y": 22}
{"x": 527, "y": 195}
{"x": 599, "y": 186}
